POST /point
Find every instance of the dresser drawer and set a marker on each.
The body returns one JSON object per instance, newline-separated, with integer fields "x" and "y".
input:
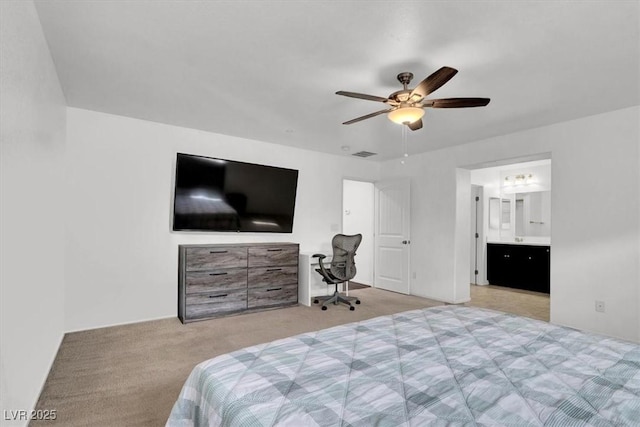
{"x": 204, "y": 258}
{"x": 272, "y": 276}
{"x": 215, "y": 280}
{"x": 273, "y": 255}
{"x": 272, "y": 295}
{"x": 212, "y": 303}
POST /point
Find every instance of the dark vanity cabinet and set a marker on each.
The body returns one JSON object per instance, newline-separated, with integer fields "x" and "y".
{"x": 519, "y": 266}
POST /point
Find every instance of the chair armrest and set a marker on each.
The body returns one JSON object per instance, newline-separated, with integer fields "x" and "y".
{"x": 323, "y": 270}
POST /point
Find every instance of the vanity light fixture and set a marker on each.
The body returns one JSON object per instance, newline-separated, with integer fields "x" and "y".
{"x": 520, "y": 179}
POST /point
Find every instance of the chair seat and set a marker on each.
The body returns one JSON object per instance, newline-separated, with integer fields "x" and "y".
{"x": 332, "y": 280}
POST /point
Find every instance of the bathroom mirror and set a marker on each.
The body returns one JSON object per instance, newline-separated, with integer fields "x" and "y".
{"x": 533, "y": 214}
{"x": 499, "y": 213}
{"x": 505, "y": 223}
{"x": 494, "y": 213}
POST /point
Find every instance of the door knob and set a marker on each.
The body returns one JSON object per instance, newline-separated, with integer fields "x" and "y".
{"x": 406, "y": 242}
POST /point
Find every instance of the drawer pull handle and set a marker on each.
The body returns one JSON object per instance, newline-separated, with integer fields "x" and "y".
{"x": 217, "y": 274}
{"x": 274, "y": 250}
{"x": 218, "y": 296}
{"x": 274, "y": 269}
{"x": 274, "y": 289}
{"x": 217, "y": 252}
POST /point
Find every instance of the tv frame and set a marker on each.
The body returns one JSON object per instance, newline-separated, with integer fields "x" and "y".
{"x": 201, "y": 230}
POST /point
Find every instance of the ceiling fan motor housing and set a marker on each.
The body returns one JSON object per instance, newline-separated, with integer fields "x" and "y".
{"x": 405, "y": 78}
{"x": 400, "y": 96}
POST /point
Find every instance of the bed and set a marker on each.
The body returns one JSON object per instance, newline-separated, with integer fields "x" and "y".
{"x": 446, "y": 365}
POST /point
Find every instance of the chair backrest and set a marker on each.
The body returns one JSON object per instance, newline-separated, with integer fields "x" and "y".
{"x": 343, "y": 265}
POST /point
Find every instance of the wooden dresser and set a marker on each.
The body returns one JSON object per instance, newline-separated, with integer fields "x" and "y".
{"x": 218, "y": 280}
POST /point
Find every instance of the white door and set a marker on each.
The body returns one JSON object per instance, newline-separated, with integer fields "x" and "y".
{"x": 392, "y": 235}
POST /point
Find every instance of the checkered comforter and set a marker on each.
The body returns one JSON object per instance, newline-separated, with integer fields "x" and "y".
{"x": 453, "y": 366}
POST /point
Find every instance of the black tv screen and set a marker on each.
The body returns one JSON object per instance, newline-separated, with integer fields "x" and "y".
{"x": 224, "y": 195}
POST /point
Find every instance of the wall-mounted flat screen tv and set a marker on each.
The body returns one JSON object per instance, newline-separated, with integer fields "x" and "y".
{"x": 224, "y": 195}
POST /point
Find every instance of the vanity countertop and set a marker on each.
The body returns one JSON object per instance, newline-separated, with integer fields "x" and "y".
{"x": 525, "y": 242}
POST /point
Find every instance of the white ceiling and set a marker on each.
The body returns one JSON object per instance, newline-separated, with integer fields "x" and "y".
{"x": 268, "y": 70}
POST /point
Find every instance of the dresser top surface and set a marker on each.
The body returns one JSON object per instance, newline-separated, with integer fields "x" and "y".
{"x": 237, "y": 245}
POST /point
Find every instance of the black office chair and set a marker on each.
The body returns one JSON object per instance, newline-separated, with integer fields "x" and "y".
{"x": 342, "y": 268}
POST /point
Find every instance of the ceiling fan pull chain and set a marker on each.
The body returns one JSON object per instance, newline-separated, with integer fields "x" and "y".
{"x": 404, "y": 144}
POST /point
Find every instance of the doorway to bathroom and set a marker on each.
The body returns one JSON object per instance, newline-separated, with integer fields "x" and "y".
{"x": 510, "y": 212}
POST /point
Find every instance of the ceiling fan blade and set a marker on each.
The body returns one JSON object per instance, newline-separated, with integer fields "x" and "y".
{"x": 459, "y": 102}
{"x": 434, "y": 81}
{"x": 368, "y": 116}
{"x": 415, "y": 125}
{"x": 362, "y": 96}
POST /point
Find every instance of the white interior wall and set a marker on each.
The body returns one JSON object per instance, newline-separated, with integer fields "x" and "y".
{"x": 595, "y": 215}
{"x": 462, "y": 242}
{"x": 358, "y": 217}
{"x": 32, "y": 113}
{"x": 122, "y": 258}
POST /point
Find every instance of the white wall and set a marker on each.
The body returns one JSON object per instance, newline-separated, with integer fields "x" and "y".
{"x": 122, "y": 258}
{"x": 358, "y": 206}
{"x": 32, "y": 134}
{"x": 462, "y": 236}
{"x": 595, "y": 215}
{"x": 595, "y": 211}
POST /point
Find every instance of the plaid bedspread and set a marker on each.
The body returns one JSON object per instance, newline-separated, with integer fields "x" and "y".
{"x": 453, "y": 366}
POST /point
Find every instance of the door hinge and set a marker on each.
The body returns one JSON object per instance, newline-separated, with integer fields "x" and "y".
{"x": 477, "y": 235}
{"x": 476, "y": 272}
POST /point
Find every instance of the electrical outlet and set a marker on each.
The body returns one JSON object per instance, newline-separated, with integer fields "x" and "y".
{"x": 600, "y": 306}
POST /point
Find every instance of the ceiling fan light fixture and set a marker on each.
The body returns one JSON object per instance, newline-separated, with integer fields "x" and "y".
{"x": 404, "y": 115}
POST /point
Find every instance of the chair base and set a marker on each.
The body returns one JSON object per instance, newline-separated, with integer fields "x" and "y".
{"x": 336, "y": 299}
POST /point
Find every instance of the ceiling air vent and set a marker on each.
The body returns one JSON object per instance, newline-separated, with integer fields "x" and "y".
{"x": 364, "y": 154}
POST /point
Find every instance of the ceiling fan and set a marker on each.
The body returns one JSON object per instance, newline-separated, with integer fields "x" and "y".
{"x": 407, "y": 106}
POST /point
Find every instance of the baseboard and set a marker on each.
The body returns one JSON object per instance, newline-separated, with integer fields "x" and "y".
{"x": 443, "y": 300}
{"x": 70, "y": 331}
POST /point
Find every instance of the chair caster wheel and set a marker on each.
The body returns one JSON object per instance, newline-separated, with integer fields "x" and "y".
{"x": 357, "y": 301}
{"x": 324, "y": 307}
{"x": 315, "y": 301}
{"x": 352, "y": 308}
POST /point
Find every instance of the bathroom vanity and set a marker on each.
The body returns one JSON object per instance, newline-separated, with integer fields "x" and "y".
{"x": 517, "y": 265}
